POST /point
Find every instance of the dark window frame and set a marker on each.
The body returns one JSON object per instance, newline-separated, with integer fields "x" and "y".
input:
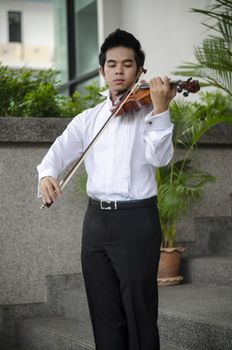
{"x": 71, "y": 43}
{"x": 15, "y": 29}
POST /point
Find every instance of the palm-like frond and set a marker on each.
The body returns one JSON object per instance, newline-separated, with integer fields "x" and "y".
{"x": 181, "y": 115}
{"x": 192, "y": 121}
{"x": 175, "y": 198}
{"x": 213, "y": 110}
{"x": 214, "y": 55}
{"x": 214, "y": 64}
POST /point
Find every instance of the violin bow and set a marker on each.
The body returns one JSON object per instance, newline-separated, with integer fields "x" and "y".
{"x": 76, "y": 165}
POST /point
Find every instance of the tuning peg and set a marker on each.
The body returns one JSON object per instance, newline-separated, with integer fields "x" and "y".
{"x": 179, "y": 89}
{"x": 185, "y": 93}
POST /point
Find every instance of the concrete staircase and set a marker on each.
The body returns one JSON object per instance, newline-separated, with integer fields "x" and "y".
{"x": 72, "y": 331}
{"x": 196, "y": 315}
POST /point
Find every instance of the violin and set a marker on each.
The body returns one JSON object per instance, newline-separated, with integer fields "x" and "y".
{"x": 141, "y": 96}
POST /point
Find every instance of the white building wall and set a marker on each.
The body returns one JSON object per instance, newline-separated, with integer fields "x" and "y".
{"x": 109, "y": 17}
{"x": 167, "y": 30}
{"x": 37, "y": 32}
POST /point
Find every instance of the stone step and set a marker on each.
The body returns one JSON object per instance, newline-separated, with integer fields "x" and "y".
{"x": 191, "y": 316}
{"x": 75, "y": 304}
{"x": 213, "y": 236}
{"x": 207, "y": 269}
{"x": 197, "y": 316}
{"x": 54, "y": 333}
{"x": 60, "y": 333}
{"x": 182, "y": 310}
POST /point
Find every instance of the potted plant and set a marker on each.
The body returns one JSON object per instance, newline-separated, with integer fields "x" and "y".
{"x": 181, "y": 183}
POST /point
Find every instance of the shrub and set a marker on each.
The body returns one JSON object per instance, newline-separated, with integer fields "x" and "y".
{"x": 28, "y": 93}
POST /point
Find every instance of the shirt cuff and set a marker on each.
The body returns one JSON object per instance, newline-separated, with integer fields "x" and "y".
{"x": 159, "y": 121}
{"x": 47, "y": 172}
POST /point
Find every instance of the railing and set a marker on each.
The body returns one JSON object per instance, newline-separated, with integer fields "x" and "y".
{"x": 78, "y": 80}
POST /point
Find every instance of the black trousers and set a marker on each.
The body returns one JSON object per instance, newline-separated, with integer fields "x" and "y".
{"x": 120, "y": 256}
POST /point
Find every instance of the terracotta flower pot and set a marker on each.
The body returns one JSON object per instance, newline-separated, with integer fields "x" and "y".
{"x": 169, "y": 266}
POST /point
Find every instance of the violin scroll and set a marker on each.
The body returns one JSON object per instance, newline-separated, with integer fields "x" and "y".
{"x": 188, "y": 86}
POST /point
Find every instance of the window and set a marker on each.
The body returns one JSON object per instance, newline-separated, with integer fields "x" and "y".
{"x": 86, "y": 36}
{"x": 14, "y": 20}
{"x": 82, "y": 43}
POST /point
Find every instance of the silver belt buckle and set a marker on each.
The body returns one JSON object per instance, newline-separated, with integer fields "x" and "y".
{"x": 109, "y": 207}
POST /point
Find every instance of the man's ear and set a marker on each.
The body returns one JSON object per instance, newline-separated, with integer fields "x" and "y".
{"x": 140, "y": 70}
{"x": 101, "y": 71}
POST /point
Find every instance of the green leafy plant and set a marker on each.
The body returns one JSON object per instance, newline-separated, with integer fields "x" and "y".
{"x": 28, "y": 93}
{"x": 181, "y": 183}
{"x": 18, "y": 87}
{"x": 40, "y": 102}
{"x": 214, "y": 55}
{"x": 71, "y": 106}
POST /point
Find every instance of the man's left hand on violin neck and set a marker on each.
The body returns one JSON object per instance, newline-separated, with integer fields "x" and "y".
{"x": 161, "y": 93}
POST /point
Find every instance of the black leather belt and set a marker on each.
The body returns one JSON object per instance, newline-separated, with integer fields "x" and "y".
{"x": 114, "y": 205}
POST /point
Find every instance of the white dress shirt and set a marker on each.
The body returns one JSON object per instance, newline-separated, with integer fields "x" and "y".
{"x": 121, "y": 164}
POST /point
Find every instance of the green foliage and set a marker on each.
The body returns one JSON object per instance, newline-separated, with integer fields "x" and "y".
{"x": 40, "y": 102}
{"x": 214, "y": 55}
{"x": 178, "y": 189}
{"x": 80, "y": 186}
{"x": 193, "y": 120}
{"x": 28, "y": 93}
{"x": 91, "y": 98}
{"x": 181, "y": 183}
{"x": 17, "y": 87}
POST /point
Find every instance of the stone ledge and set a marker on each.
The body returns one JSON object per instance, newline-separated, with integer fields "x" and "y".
{"x": 40, "y": 130}
{"x": 218, "y": 135}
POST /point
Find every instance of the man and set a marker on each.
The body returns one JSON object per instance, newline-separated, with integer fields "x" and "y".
{"x": 121, "y": 231}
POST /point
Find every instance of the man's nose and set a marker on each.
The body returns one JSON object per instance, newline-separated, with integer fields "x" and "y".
{"x": 119, "y": 70}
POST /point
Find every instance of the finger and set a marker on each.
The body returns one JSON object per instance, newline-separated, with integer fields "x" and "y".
{"x": 51, "y": 193}
{"x": 166, "y": 82}
{"x": 50, "y": 188}
{"x": 47, "y": 191}
{"x": 56, "y": 187}
{"x": 154, "y": 84}
{"x": 158, "y": 81}
{"x": 46, "y": 198}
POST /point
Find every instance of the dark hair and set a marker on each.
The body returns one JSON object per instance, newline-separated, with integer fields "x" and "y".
{"x": 122, "y": 38}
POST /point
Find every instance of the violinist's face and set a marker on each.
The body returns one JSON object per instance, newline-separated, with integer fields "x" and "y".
{"x": 120, "y": 69}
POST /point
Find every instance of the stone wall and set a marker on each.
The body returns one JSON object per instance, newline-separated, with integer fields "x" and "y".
{"x": 36, "y": 243}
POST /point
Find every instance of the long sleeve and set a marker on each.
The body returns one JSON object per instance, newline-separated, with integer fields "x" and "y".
{"x": 158, "y": 137}
{"x": 66, "y": 148}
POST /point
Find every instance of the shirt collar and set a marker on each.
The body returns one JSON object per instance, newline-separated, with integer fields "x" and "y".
{"x": 106, "y": 93}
